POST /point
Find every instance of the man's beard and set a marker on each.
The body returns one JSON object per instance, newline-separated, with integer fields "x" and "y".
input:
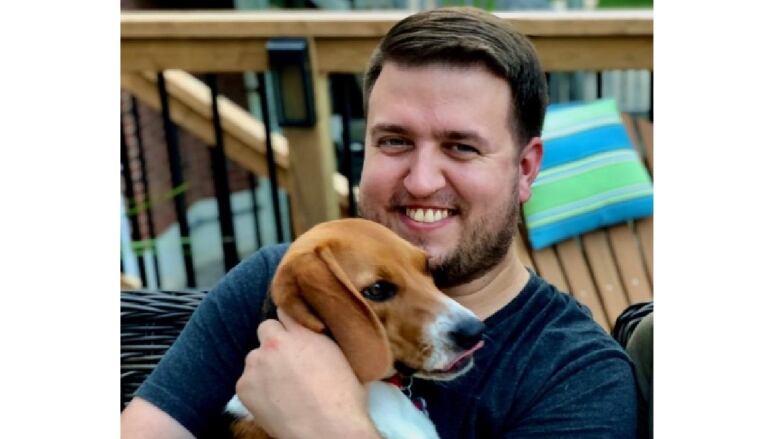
{"x": 480, "y": 250}
{"x": 484, "y": 244}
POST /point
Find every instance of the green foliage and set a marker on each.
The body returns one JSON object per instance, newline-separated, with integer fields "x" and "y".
{"x": 487, "y": 5}
{"x": 631, "y": 4}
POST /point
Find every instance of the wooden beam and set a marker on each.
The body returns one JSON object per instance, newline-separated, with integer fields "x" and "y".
{"x": 351, "y": 55}
{"x": 644, "y": 230}
{"x": 605, "y": 274}
{"x": 629, "y": 261}
{"x": 345, "y": 55}
{"x": 315, "y": 163}
{"x": 235, "y": 41}
{"x": 194, "y": 54}
{"x": 580, "y": 280}
{"x": 252, "y": 24}
{"x": 594, "y": 53}
{"x": 550, "y": 268}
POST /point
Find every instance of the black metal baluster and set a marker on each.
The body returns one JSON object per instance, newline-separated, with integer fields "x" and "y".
{"x": 177, "y": 181}
{"x": 599, "y": 87}
{"x": 130, "y": 196}
{"x": 651, "y": 96}
{"x": 147, "y": 206}
{"x": 269, "y": 157}
{"x": 547, "y": 78}
{"x": 290, "y": 224}
{"x": 252, "y": 178}
{"x": 221, "y": 184}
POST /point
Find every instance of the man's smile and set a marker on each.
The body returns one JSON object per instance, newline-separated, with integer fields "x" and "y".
{"x": 428, "y": 215}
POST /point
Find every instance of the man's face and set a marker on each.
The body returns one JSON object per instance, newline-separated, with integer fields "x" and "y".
{"x": 440, "y": 166}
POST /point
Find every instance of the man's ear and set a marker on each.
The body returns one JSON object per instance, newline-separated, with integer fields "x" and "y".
{"x": 528, "y": 167}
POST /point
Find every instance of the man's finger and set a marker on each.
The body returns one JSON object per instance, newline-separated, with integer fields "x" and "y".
{"x": 268, "y": 327}
{"x": 289, "y": 323}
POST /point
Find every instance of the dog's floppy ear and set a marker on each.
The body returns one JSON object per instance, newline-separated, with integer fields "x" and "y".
{"x": 286, "y": 293}
{"x": 314, "y": 290}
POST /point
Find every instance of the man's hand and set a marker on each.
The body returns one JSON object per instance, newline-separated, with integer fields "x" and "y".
{"x": 298, "y": 384}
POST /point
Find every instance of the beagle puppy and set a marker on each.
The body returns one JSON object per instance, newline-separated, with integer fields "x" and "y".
{"x": 371, "y": 290}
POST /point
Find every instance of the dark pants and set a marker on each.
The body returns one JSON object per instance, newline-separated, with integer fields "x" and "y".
{"x": 640, "y": 349}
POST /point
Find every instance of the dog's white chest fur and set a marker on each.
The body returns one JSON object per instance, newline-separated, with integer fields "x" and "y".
{"x": 394, "y": 415}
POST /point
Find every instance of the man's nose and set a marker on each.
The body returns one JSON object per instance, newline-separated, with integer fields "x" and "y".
{"x": 425, "y": 175}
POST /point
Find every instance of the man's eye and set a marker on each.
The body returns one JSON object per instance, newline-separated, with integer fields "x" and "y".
{"x": 392, "y": 142}
{"x": 379, "y": 291}
{"x": 461, "y": 148}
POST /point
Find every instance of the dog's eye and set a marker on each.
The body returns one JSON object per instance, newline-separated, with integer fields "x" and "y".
{"x": 380, "y": 291}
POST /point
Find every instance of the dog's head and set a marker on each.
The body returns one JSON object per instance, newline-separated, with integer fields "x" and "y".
{"x": 372, "y": 291}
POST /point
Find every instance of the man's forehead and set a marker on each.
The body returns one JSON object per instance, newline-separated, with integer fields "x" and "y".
{"x": 447, "y": 106}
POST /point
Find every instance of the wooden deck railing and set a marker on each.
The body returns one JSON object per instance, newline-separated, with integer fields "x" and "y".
{"x": 340, "y": 42}
{"x": 232, "y": 41}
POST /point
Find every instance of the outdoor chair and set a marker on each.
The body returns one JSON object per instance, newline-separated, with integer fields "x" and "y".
{"x": 610, "y": 268}
{"x": 150, "y": 323}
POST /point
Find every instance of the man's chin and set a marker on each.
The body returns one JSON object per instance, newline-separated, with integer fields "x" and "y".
{"x": 436, "y": 254}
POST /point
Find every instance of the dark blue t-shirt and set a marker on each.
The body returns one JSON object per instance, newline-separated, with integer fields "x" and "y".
{"x": 546, "y": 370}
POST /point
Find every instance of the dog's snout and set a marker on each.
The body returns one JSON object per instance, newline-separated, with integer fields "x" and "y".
{"x": 467, "y": 333}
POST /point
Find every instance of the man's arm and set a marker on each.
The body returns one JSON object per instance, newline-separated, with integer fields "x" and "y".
{"x": 141, "y": 419}
{"x": 188, "y": 389}
{"x": 278, "y": 396}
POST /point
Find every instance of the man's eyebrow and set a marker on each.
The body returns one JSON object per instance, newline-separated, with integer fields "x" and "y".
{"x": 389, "y": 128}
{"x": 458, "y": 135}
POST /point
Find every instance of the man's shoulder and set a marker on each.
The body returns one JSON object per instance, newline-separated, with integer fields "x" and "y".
{"x": 257, "y": 268}
{"x": 567, "y": 326}
{"x": 246, "y": 284}
{"x": 542, "y": 308}
{"x": 550, "y": 354}
{"x": 267, "y": 256}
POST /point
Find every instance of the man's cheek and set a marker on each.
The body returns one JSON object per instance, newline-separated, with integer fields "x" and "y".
{"x": 377, "y": 183}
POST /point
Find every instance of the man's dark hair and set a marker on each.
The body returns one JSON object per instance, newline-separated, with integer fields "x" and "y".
{"x": 466, "y": 37}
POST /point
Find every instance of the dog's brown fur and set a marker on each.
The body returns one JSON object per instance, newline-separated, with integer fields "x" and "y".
{"x": 319, "y": 283}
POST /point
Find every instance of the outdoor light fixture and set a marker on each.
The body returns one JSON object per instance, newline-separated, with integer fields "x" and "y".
{"x": 288, "y": 61}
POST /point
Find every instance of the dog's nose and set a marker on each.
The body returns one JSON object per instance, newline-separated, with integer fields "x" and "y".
{"x": 467, "y": 333}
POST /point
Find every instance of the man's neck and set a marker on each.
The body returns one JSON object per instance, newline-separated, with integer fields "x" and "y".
{"x": 496, "y": 288}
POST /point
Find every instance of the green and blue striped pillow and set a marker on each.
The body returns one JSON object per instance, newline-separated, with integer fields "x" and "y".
{"x": 591, "y": 176}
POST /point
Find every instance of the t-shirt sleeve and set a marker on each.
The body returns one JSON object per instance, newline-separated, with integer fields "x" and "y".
{"x": 197, "y": 375}
{"x": 592, "y": 397}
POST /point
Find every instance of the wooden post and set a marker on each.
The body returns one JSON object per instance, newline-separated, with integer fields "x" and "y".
{"x": 312, "y": 160}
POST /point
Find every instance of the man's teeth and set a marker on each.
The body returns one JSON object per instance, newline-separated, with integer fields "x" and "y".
{"x": 427, "y": 215}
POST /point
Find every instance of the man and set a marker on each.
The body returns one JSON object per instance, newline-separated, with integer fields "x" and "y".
{"x": 455, "y": 104}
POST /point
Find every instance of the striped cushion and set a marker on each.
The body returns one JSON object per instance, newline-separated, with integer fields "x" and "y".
{"x": 591, "y": 176}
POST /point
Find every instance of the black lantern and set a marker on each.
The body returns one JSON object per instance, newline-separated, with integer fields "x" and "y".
{"x": 288, "y": 60}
